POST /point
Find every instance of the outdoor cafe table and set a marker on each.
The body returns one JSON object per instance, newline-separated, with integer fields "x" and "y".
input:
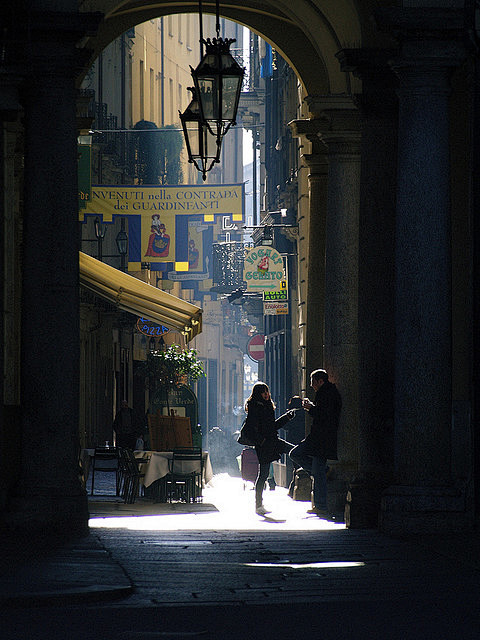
{"x": 158, "y": 466}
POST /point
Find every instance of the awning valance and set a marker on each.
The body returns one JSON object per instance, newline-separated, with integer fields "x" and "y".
{"x": 139, "y": 298}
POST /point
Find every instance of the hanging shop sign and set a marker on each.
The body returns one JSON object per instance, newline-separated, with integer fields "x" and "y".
{"x": 271, "y": 296}
{"x": 275, "y": 308}
{"x": 263, "y": 269}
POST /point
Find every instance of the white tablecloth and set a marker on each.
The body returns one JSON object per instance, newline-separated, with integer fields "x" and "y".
{"x": 157, "y": 465}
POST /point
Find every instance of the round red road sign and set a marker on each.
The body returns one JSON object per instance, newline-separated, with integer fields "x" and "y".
{"x": 255, "y": 347}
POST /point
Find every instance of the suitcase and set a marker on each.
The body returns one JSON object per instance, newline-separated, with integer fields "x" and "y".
{"x": 249, "y": 465}
{"x": 302, "y": 486}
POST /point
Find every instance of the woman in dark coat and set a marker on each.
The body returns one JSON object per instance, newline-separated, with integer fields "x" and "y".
{"x": 263, "y": 427}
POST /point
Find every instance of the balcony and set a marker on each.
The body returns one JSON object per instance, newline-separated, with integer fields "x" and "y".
{"x": 227, "y": 266}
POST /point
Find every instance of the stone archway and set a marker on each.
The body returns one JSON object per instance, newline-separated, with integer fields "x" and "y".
{"x": 309, "y": 40}
{"x": 59, "y": 43}
{"x": 307, "y": 36}
{"x": 43, "y": 54}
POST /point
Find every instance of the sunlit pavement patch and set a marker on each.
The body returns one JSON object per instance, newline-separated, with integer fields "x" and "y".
{"x": 234, "y": 501}
{"x": 307, "y": 565}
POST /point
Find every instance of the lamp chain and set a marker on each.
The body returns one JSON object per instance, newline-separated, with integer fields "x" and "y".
{"x": 200, "y": 21}
{"x": 217, "y": 26}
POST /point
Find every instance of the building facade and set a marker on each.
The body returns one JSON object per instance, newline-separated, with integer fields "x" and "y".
{"x": 137, "y": 86}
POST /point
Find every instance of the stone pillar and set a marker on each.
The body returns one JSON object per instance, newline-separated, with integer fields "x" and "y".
{"x": 378, "y": 107}
{"x": 317, "y": 164}
{"x": 49, "y": 495}
{"x": 315, "y": 329}
{"x": 341, "y": 135}
{"x": 10, "y": 158}
{"x": 422, "y": 498}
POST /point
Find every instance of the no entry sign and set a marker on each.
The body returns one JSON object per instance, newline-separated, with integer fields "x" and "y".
{"x": 255, "y": 347}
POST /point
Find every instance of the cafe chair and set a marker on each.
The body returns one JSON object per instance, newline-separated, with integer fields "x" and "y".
{"x": 184, "y": 481}
{"x": 105, "y": 459}
{"x": 131, "y": 476}
{"x": 123, "y": 472}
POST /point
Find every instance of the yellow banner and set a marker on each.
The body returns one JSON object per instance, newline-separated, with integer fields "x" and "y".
{"x": 207, "y": 200}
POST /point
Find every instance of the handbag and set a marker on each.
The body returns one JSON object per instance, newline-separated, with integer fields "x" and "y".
{"x": 247, "y": 435}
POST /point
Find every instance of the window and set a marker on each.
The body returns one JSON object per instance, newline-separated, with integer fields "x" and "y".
{"x": 152, "y": 95}
{"x": 142, "y": 91}
{"x": 189, "y": 32}
{"x": 212, "y": 394}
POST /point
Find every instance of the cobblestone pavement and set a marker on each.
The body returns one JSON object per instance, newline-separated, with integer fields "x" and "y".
{"x": 217, "y": 570}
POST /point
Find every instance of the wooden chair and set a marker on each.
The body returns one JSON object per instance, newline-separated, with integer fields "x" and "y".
{"x": 185, "y": 485}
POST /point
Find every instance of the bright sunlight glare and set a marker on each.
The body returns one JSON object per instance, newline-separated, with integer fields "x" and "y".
{"x": 228, "y": 504}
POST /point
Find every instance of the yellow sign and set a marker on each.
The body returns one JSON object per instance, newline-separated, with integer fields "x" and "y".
{"x": 208, "y": 200}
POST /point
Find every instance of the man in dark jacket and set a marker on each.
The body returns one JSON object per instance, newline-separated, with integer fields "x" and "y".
{"x": 321, "y": 443}
{"x": 126, "y": 427}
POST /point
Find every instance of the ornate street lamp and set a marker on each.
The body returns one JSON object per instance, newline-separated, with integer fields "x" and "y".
{"x": 218, "y": 81}
{"x": 100, "y": 235}
{"x": 122, "y": 242}
{"x": 213, "y": 109}
{"x": 202, "y": 147}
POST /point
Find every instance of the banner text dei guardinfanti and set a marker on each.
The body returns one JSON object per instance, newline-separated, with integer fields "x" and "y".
{"x": 185, "y": 199}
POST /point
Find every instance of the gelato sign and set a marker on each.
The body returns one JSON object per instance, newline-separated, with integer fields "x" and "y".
{"x": 263, "y": 269}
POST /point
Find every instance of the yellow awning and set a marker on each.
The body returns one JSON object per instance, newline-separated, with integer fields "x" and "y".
{"x": 137, "y": 297}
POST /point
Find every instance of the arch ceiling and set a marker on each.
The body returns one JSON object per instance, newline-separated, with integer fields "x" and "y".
{"x": 307, "y": 33}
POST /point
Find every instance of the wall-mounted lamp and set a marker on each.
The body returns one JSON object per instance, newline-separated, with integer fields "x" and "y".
{"x": 267, "y": 236}
{"x": 100, "y": 232}
{"x": 236, "y": 297}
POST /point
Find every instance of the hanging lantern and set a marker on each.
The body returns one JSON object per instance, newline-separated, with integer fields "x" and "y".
{"x": 213, "y": 109}
{"x": 218, "y": 83}
{"x": 202, "y": 146}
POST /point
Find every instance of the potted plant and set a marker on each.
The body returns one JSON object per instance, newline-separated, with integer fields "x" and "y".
{"x": 168, "y": 370}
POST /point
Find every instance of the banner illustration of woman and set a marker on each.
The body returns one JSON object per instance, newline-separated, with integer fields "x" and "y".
{"x": 159, "y": 240}
{"x": 193, "y": 255}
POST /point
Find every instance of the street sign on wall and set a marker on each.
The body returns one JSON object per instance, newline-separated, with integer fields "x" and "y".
{"x": 275, "y": 308}
{"x": 270, "y": 296}
{"x": 256, "y": 347}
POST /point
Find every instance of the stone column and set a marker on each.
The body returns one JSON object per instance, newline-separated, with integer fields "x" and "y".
{"x": 422, "y": 497}
{"x": 10, "y": 158}
{"x": 341, "y": 135}
{"x": 378, "y": 106}
{"x": 49, "y": 495}
{"x": 317, "y": 164}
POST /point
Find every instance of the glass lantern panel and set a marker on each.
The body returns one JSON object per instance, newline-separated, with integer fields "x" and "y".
{"x": 208, "y": 97}
{"x": 209, "y": 144}
{"x": 194, "y": 141}
{"x": 229, "y": 97}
